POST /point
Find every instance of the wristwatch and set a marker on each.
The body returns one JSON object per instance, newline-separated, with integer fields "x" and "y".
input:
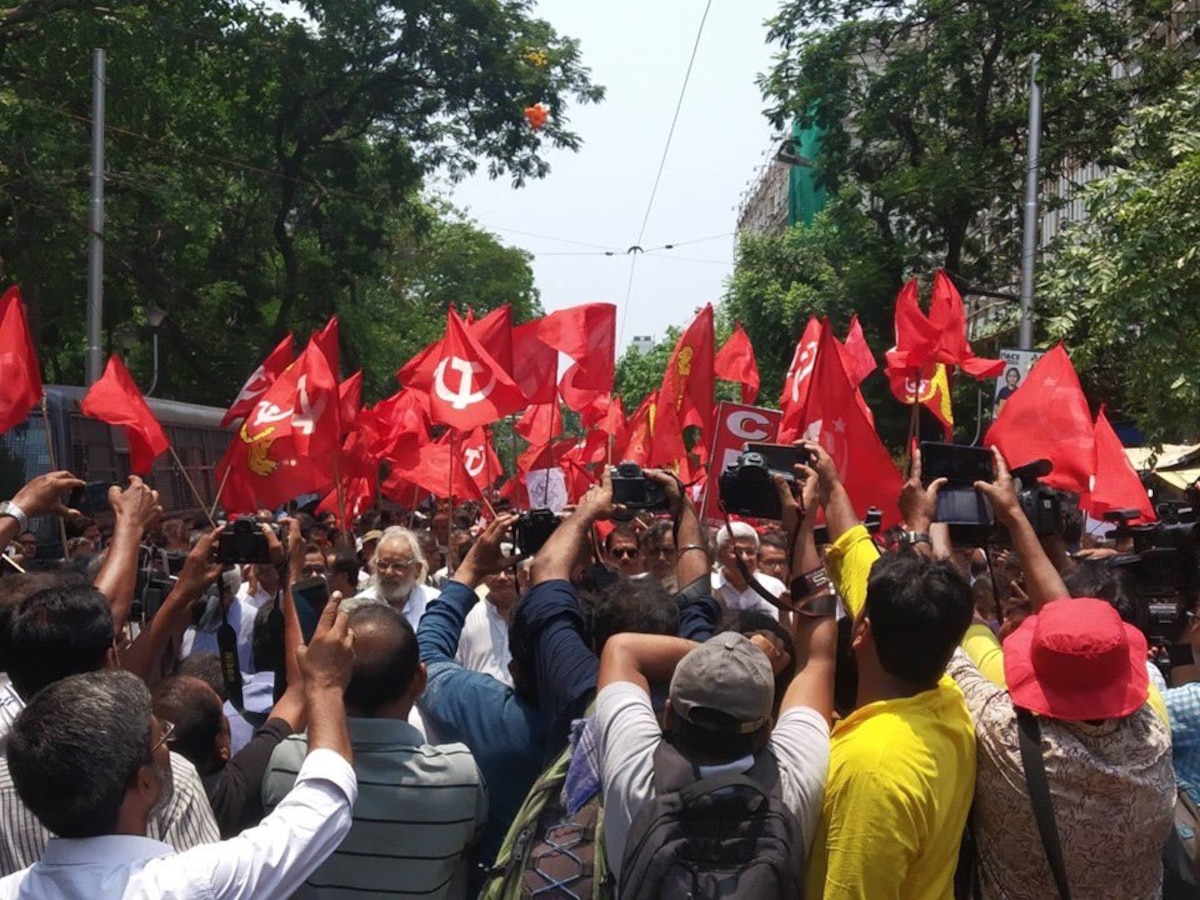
{"x": 915, "y": 537}
{"x": 8, "y": 508}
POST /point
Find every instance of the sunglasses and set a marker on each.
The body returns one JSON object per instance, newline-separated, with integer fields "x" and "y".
{"x": 625, "y": 552}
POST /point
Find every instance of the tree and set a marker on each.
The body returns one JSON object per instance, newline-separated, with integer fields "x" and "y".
{"x": 924, "y": 107}
{"x": 1123, "y": 285}
{"x": 263, "y": 172}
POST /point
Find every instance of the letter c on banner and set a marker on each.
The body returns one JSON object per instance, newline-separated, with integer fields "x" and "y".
{"x": 749, "y": 425}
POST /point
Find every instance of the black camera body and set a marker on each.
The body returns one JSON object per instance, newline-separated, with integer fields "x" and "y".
{"x": 633, "y": 490}
{"x": 243, "y": 541}
{"x": 532, "y": 529}
{"x": 1168, "y": 552}
{"x": 747, "y": 487}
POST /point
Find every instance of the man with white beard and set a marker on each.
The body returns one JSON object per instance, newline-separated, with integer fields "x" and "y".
{"x": 398, "y": 571}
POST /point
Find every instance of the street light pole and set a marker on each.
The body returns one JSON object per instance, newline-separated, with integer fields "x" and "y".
{"x": 154, "y": 316}
{"x": 94, "y": 360}
{"x": 1032, "y": 185}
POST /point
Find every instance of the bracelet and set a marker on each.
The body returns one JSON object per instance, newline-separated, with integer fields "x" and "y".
{"x": 8, "y": 508}
{"x": 915, "y": 537}
{"x": 684, "y": 549}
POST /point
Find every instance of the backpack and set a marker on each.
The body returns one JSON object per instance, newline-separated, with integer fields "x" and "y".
{"x": 549, "y": 854}
{"x": 726, "y": 836}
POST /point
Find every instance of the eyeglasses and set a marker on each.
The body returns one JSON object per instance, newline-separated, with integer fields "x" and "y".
{"x": 393, "y": 565}
{"x": 625, "y": 552}
{"x": 168, "y": 732}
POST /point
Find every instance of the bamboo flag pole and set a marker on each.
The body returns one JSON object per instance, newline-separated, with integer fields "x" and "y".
{"x": 220, "y": 490}
{"x": 62, "y": 523}
{"x": 188, "y": 478}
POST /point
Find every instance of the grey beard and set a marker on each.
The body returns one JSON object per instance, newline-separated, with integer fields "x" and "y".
{"x": 395, "y": 593}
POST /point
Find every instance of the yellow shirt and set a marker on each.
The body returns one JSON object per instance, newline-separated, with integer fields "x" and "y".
{"x": 901, "y": 778}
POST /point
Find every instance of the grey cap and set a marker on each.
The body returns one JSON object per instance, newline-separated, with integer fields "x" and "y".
{"x": 728, "y": 675}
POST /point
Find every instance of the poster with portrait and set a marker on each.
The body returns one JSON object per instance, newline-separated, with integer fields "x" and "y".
{"x": 1017, "y": 364}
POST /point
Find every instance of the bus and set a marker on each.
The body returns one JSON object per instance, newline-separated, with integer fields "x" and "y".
{"x": 96, "y": 451}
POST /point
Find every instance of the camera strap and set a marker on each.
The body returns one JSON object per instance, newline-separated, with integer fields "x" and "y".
{"x": 231, "y": 670}
{"x": 749, "y": 576}
{"x": 275, "y": 626}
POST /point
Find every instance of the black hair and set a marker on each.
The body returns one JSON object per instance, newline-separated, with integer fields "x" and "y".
{"x": 624, "y": 530}
{"x": 639, "y": 605}
{"x": 206, "y": 667}
{"x": 1116, "y": 587}
{"x": 62, "y": 630}
{"x": 71, "y": 780}
{"x": 196, "y": 713}
{"x": 346, "y": 564}
{"x": 655, "y": 536}
{"x": 386, "y": 657}
{"x": 15, "y": 588}
{"x": 773, "y": 538}
{"x": 919, "y": 611}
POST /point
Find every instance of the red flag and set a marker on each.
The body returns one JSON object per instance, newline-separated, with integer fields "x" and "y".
{"x": 350, "y": 398}
{"x": 261, "y": 379}
{"x": 20, "y": 374}
{"x": 285, "y": 446}
{"x": 329, "y": 340}
{"x": 436, "y": 470}
{"x": 469, "y": 386}
{"x": 856, "y": 355}
{"x": 395, "y": 425}
{"x": 929, "y": 386}
{"x": 614, "y": 420}
{"x": 540, "y": 424}
{"x": 635, "y": 442}
{"x": 947, "y": 314}
{"x": 588, "y": 335}
{"x": 360, "y": 480}
{"x": 1116, "y": 485}
{"x": 833, "y": 417}
{"x": 916, "y": 336}
{"x": 686, "y": 396}
{"x": 736, "y": 362}
{"x": 478, "y": 458}
{"x": 1048, "y": 418}
{"x": 799, "y": 377}
{"x": 535, "y": 364}
{"x": 115, "y": 399}
{"x": 495, "y": 334}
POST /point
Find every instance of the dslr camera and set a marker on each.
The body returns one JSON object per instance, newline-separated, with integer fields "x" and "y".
{"x": 633, "y": 490}
{"x": 1043, "y": 506}
{"x": 747, "y": 486}
{"x": 244, "y": 542}
{"x": 532, "y": 529}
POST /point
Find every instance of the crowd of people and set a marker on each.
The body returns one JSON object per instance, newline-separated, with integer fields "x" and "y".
{"x": 641, "y": 707}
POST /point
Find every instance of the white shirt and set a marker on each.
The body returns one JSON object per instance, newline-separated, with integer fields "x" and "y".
{"x": 731, "y": 598}
{"x": 242, "y": 610}
{"x": 414, "y": 606}
{"x": 483, "y": 646}
{"x": 270, "y": 860}
{"x": 627, "y": 734}
{"x": 10, "y": 708}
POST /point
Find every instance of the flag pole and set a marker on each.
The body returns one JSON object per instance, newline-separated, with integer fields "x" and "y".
{"x": 341, "y": 491}
{"x": 188, "y": 478}
{"x": 487, "y": 470}
{"x": 914, "y": 422}
{"x": 62, "y": 523}
{"x": 220, "y": 490}
{"x": 450, "y": 525}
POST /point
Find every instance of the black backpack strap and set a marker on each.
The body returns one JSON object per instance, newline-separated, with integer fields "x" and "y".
{"x": 1039, "y": 795}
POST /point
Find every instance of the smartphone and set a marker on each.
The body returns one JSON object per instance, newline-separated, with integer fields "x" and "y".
{"x": 781, "y": 457}
{"x": 310, "y": 596}
{"x": 90, "y": 499}
{"x": 961, "y": 465}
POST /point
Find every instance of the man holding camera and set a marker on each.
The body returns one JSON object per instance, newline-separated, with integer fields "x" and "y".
{"x": 1076, "y": 698}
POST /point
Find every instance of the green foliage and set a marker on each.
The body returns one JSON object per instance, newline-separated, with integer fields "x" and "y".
{"x": 264, "y": 173}
{"x": 924, "y": 106}
{"x": 640, "y": 373}
{"x": 1123, "y": 288}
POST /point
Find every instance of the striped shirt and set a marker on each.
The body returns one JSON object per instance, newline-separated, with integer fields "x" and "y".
{"x": 185, "y": 822}
{"x": 419, "y": 811}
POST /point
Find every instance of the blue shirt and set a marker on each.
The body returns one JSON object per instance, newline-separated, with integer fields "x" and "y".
{"x": 1183, "y": 709}
{"x": 504, "y": 732}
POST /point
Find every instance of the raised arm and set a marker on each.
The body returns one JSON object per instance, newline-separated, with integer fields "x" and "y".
{"x": 691, "y": 551}
{"x": 840, "y": 516}
{"x": 198, "y": 572}
{"x": 326, "y": 665}
{"x": 814, "y": 624}
{"x": 918, "y": 506}
{"x": 133, "y": 508}
{"x": 562, "y": 551}
{"x": 641, "y": 659}
{"x": 42, "y": 496}
{"x": 1043, "y": 583}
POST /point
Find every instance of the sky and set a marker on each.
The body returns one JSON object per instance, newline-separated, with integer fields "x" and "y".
{"x": 595, "y": 200}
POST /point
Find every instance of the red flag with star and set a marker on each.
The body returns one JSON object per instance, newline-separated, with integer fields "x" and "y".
{"x": 261, "y": 379}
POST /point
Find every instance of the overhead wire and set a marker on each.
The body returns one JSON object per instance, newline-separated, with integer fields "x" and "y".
{"x": 636, "y": 250}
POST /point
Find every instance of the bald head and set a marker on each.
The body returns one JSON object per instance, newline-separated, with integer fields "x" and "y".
{"x": 388, "y": 676}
